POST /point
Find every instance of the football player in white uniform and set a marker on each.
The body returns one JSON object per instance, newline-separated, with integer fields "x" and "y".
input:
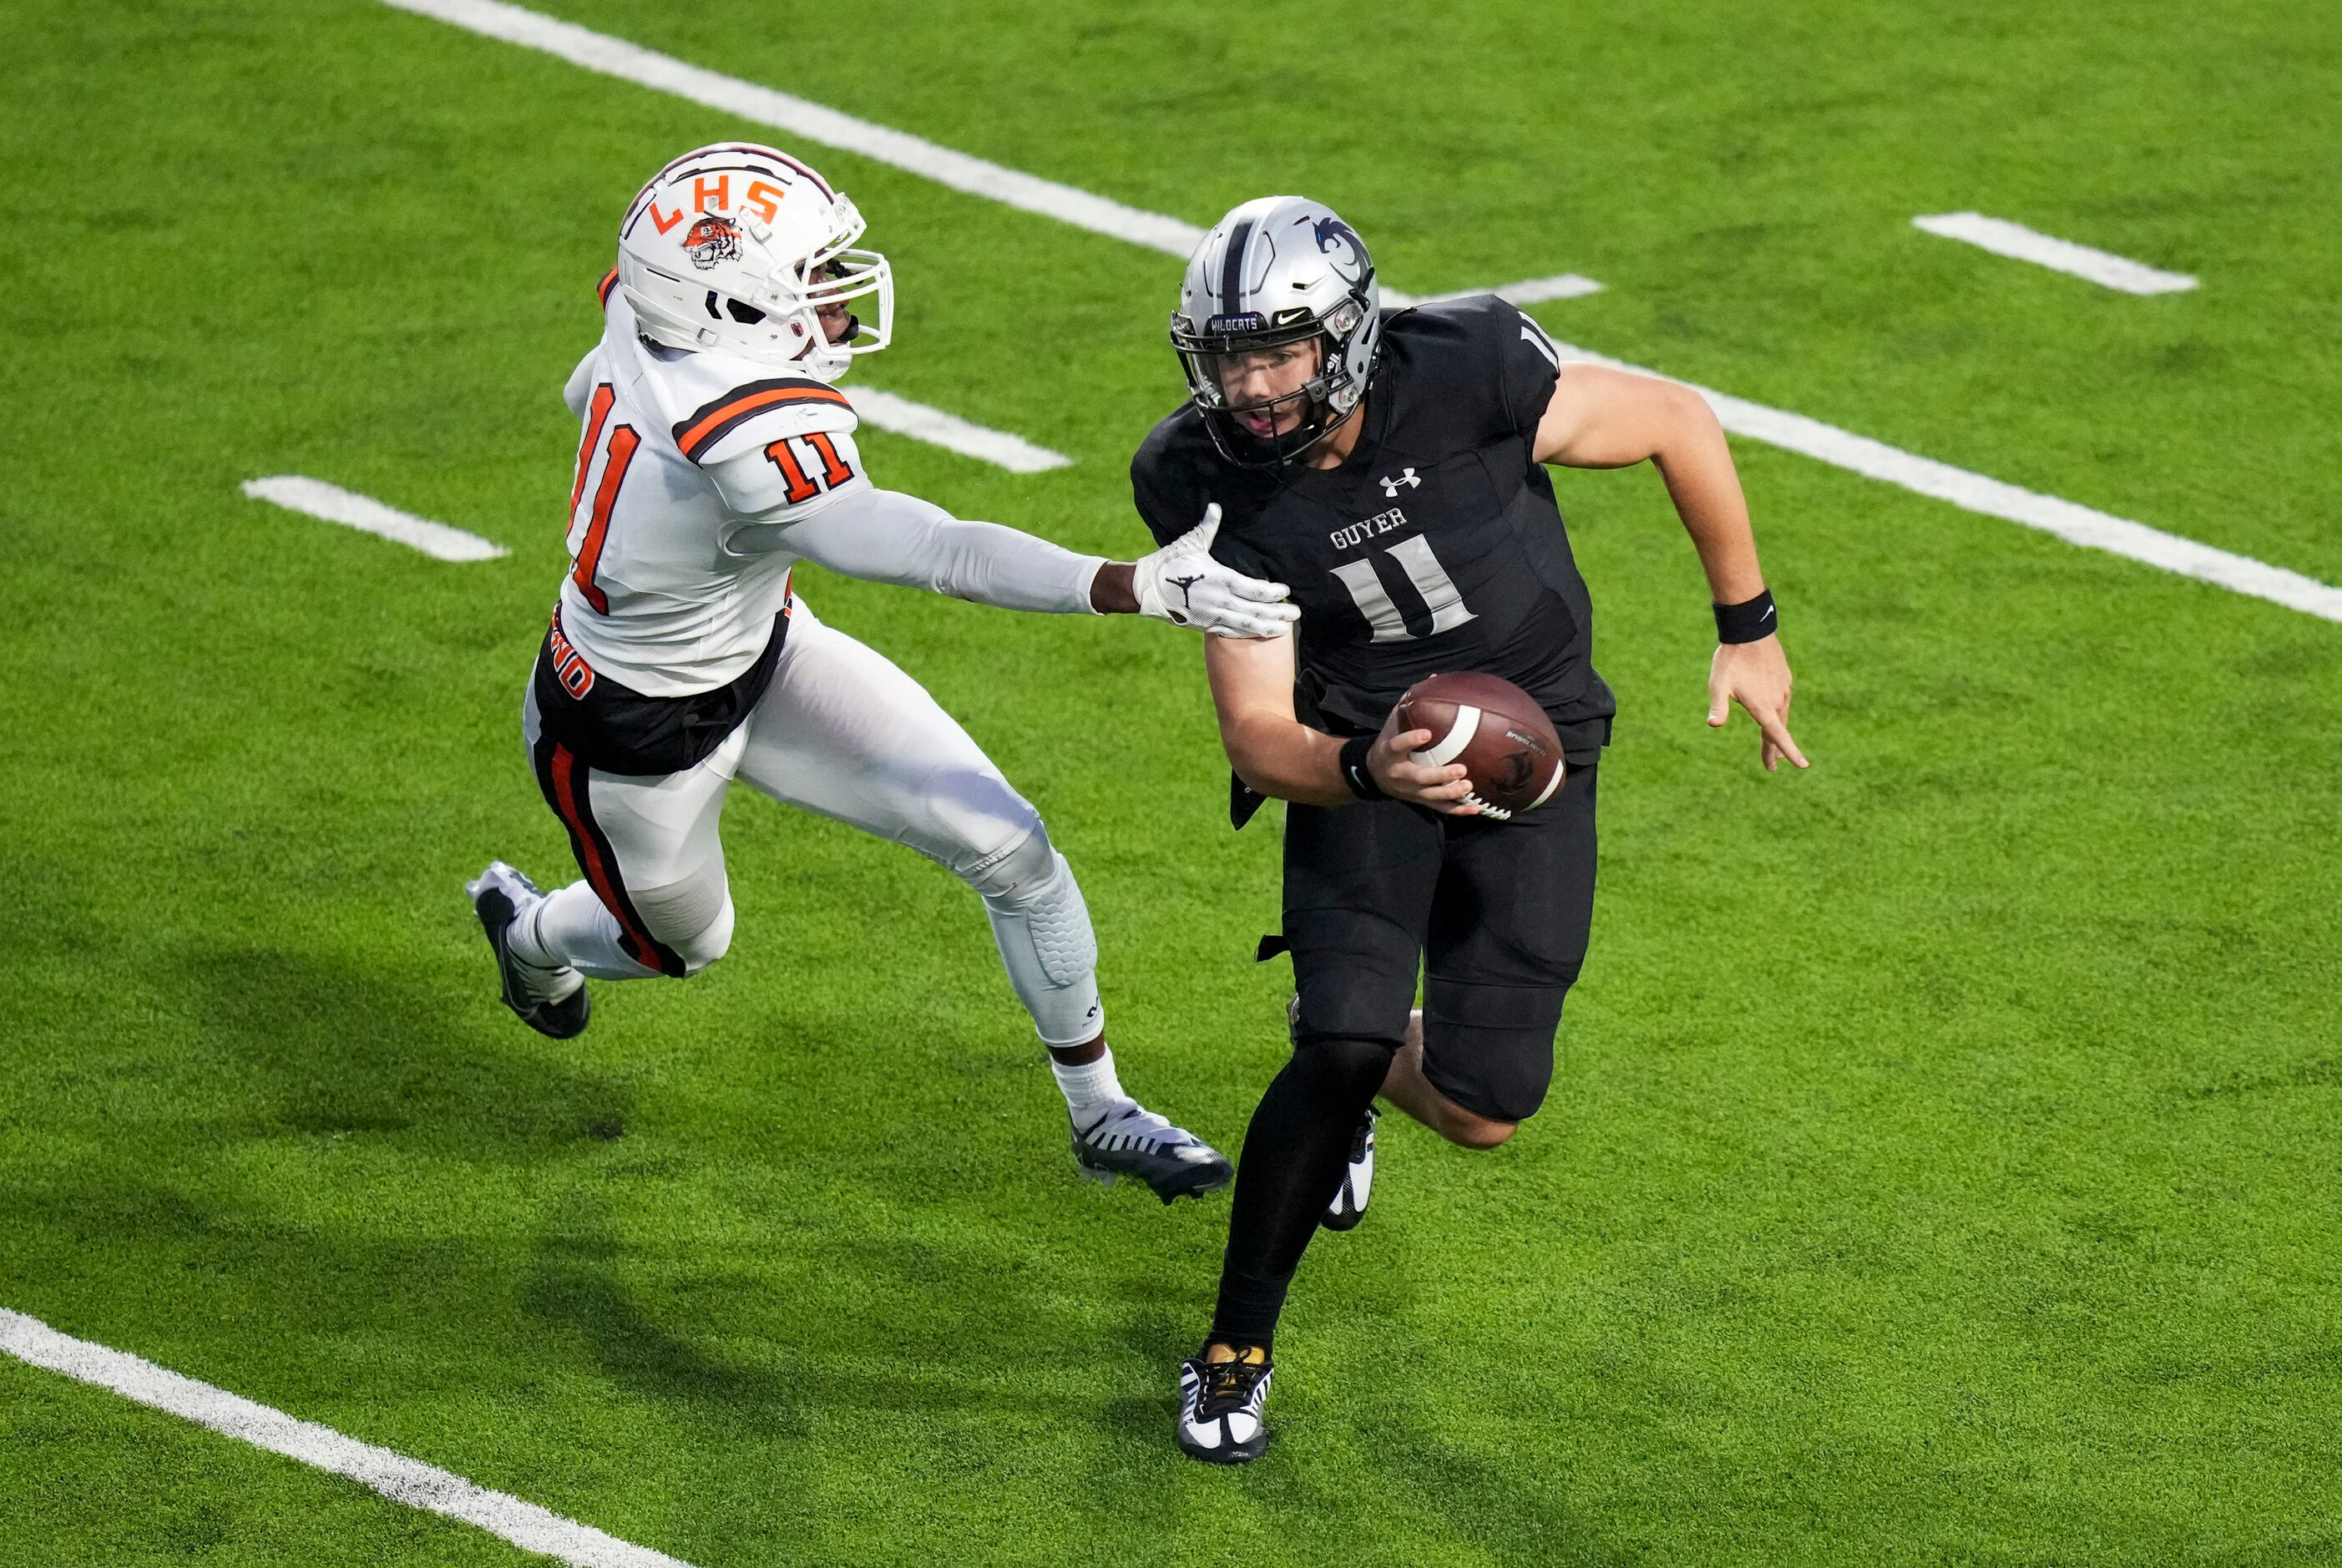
{"x": 716, "y": 453}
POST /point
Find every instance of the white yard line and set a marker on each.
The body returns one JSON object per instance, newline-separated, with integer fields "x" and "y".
{"x": 1973, "y": 492}
{"x": 396, "y": 1476}
{"x": 1528, "y": 291}
{"x": 917, "y": 420}
{"x": 2002, "y": 237}
{"x": 1537, "y": 289}
{"x": 815, "y": 122}
{"x": 819, "y": 122}
{"x": 2069, "y": 521}
{"x": 352, "y": 510}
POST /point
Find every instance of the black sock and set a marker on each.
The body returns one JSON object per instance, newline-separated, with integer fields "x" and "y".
{"x": 1294, "y": 1153}
{"x": 1247, "y": 1310}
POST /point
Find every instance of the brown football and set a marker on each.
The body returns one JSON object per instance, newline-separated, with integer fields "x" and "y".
{"x": 1495, "y": 730}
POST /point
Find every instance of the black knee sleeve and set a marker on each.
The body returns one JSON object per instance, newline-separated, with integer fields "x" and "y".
{"x": 1346, "y": 1074}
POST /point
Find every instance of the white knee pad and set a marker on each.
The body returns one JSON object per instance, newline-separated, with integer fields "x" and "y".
{"x": 1046, "y": 944}
{"x": 694, "y": 918}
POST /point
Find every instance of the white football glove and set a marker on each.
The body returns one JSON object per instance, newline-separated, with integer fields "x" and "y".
{"x": 1183, "y": 584}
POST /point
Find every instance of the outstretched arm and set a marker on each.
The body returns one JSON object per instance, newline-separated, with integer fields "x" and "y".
{"x": 887, "y": 537}
{"x": 1604, "y": 418}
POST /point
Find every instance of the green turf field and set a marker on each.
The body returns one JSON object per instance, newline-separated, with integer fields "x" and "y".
{"x": 1941, "y": 1165}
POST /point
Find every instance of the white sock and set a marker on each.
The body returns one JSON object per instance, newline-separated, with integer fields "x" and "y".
{"x": 545, "y": 976}
{"x": 572, "y": 927}
{"x": 1090, "y": 1087}
{"x": 526, "y": 941}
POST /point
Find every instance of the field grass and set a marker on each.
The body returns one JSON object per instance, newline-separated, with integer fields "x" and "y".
{"x": 1942, "y": 1163}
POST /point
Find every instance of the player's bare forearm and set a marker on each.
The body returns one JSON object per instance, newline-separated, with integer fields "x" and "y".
{"x": 1285, "y": 759}
{"x": 1696, "y": 464}
{"x": 1603, "y": 418}
{"x": 1111, "y": 592}
{"x": 1270, "y": 749}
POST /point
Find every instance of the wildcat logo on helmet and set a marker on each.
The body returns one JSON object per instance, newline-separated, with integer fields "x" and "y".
{"x": 711, "y": 240}
{"x": 1350, "y": 258}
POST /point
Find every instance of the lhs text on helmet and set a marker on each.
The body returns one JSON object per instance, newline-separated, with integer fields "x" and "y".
{"x": 739, "y": 248}
{"x": 762, "y": 197}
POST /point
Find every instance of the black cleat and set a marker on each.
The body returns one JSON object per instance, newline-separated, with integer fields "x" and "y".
{"x": 552, "y": 1002}
{"x": 1350, "y": 1204}
{"x": 1220, "y": 1420}
{"x": 1132, "y": 1141}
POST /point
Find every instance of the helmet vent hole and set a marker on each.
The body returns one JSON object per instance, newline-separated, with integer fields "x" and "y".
{"x": 746, "y": 314}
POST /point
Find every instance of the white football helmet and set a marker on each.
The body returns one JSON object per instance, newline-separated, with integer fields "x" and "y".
{"x": 738, "y": 247}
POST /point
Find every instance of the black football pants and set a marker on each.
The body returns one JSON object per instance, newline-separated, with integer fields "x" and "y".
{"x": 1495, "y": 914}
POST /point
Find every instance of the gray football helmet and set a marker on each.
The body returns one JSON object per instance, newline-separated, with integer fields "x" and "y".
{"x": 1277, "y": 273}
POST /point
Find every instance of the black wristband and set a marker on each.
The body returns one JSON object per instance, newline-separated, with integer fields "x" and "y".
{"x": 1353, "y": 768}
{"x": 1752, "y": 621}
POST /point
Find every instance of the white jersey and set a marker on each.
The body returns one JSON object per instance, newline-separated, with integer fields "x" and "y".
{"x": 686, "y": 462}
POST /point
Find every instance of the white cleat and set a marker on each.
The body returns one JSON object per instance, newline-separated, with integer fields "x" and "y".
{"x": 552, "y": 1002}
{"x": 1132, "y": 1141}
{"x": 1350, "y": 1204}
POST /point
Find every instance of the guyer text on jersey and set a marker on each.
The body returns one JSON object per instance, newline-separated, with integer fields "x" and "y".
{"x": 1359, "y": 532}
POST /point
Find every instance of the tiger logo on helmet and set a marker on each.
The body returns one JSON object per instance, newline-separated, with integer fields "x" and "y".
{"x": 711, "y": 240}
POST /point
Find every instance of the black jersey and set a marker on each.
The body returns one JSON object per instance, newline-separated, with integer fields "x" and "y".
{"x": 1435, "y": 547}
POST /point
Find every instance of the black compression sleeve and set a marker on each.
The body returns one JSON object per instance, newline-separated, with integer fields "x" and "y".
{"x": 1294, "y": 1153}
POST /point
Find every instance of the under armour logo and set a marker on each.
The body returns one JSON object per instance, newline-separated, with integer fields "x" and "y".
{"x": 1405, "y": 476}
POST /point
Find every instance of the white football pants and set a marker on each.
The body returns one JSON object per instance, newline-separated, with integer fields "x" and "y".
{"x": 842, "y": 732}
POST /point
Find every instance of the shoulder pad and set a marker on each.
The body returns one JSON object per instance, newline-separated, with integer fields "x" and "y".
{"x": 1459, "y": 318}
{"x": 579, "y": 387}
{"x": 1172, "y": 436}
{"x": 757, "y": 412}
{"x": 1173, "y": 468}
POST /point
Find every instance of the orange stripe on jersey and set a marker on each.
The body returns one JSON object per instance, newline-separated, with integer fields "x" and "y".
{"x": 704, "y": 429}
{"x": 596, "y": 412}
{"x": 609, "y": 281}
{"x": 623, "y": 443}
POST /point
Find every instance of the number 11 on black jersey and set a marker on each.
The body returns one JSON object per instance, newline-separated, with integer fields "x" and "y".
{"x": 1415, "y": 557}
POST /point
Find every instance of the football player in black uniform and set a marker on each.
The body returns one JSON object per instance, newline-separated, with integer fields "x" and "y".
{"x": 1388, "y": 468}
